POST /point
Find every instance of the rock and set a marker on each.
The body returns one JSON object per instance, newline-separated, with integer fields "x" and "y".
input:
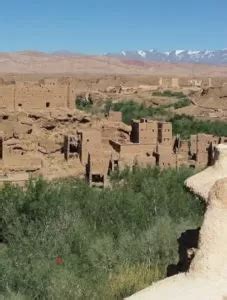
{"x": 201, "y": 183}
{"x": 49, "y": 125}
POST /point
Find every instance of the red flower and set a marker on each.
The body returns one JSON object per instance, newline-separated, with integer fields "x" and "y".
{"x": 59, "y": 260}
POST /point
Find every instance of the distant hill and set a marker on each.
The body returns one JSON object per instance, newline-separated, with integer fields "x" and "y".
{"x": 72, "y": 63}
{"x": 215, "y": 57}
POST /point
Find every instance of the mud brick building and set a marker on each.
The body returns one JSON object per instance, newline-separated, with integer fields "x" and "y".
{"x": 40, "y": 95}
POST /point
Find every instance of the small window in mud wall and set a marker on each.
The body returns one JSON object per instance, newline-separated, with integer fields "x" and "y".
{"x": 1, "y": 148}
{"x": 47, "y": 104}
{"x": 19, "y": 104}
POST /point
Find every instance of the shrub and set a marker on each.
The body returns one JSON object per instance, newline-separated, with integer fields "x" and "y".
{"x": 186, "y": 125}
{"x": 182, "y": 124}
{"x": 83, "y": 103}
{"x": 182, "y": 103}
{"x": 108, "y": 106}
{"x": 133, "y": 110}
{"x": 169, "y": 93}
{"x": 111, "y": 242}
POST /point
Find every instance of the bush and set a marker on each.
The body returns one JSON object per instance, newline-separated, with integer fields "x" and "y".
{"x": 182, "y": 124}
{"x": 186, "y": 125}
{"x": 133, "y": 110}
{"x": 107, "y": 106}
{"x": 169, "y": 93}
{"x": 182, "y": 103}
{"x": 83, "y": 103}
{"x": 110, "y": 242}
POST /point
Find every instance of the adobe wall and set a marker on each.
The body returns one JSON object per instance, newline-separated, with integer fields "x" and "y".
{"x": 131, "y": 148}
{"x": 165, "y": 82}
{"x": 184, "y": 150}
{"x": 144, "y": 161}
{"x": 184, "y": 146}
{"x": 223, "y": 140}
{"x": 89, "y": 140}
{"x": 202, "y": 82}
{"x": 7, "y": 95}
{"x": 193, "y": 144}
{"x": 165, "y": 156}
{"x": 108, "y": 133}
{"x": 175, "y": 83}
{"x": 201, "y": 148}
{"x": 168, "y": 82}
{"x": 167, "y": 161}
{"x": 37, "y": 95}
{"x": 136, "y": 149}
{"x": 144, "y": 131}
{"x": 115, "y": 116}
{"x": 165, "y": 135}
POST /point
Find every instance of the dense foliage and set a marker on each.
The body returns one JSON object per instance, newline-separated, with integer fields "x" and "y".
{"x": 64, "y": 240}
{"x": 168, "y": 93}
{"x": 83, "y": 103}
{"x": 182, "y": 99}
{"x": 134, "y": 110}
{"x": 186, "y": 125}
{"x": 182, "y": 124}
{"x": 182, "y": 103}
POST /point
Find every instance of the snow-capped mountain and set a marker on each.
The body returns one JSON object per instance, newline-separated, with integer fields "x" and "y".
{"x": 182, "y": 56}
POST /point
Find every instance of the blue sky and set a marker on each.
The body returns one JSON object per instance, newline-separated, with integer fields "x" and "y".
{"x": 101, "y": 26}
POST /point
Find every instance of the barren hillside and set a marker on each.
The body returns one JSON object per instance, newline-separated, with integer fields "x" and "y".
{"x": 37, "y": 62}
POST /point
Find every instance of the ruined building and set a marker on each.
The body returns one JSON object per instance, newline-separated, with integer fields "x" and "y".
{"x": 62, "y": 143}
{"x": 97, "y": 169}
{"x": 44, "y": 94}
{"x": 150, "y": 143}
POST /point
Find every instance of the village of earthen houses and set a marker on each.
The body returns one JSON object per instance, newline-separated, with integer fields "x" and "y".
{"x": 43, "y": 133}
{"x": 113, "y": 150}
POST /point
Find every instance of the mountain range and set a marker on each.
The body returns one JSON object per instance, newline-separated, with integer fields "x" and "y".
{"x": 214, "y": 57}
{"x": 175, "y": 63}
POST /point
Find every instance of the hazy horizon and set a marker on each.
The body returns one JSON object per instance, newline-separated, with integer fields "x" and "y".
{"x": 120, "y": 50}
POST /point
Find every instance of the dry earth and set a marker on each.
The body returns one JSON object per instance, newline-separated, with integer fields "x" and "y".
{"x": 208, "y": 103}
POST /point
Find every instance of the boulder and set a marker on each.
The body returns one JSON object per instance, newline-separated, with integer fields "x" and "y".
{"x": 201, "y": 183}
